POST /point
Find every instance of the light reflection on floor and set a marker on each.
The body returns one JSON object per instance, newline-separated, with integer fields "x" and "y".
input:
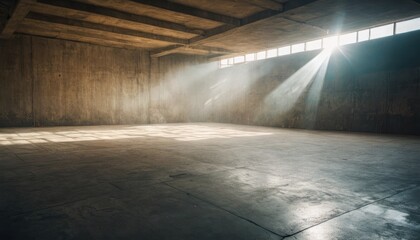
{"x": 177, "y": 132}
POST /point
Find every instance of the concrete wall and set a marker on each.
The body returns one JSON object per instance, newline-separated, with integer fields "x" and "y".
{"x": 176, "y": 85}
{"x": 53, "y": 82}
{"x": 372, "y": 86}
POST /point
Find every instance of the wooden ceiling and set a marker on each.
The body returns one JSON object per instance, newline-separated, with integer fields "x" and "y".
{"x": 205, "y": 27}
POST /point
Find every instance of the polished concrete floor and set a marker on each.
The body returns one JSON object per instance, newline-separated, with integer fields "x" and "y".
{"x": 207, "y": 181}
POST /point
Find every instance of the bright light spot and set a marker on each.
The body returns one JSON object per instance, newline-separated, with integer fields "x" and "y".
{"x": 348, "y": 38}
{"x": 272, "y": 53}
{"x": 284, "y": 51}
{"x": 230, "y": 61}
{"x": 385, "y": 213}
{"x": 239, "y": 59}
{"x": 261, "y": 55}
{"x": 300, "y": 47}
{"x": 363, "y": 35}
{"x": 330, "y": 42}
{"x": 382, "y": 31}
{"x": 177, "y": 132}
{"x": 314, "y": 45}
{"x": 250, "y": 57}
{"x": 408, "y": 26}
{"x": 224, "y": 63}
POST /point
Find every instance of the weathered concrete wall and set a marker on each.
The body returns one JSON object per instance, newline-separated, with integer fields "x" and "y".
{"x": 54, "y": 82}
{"x": 372, "y": 86}
{"x": 176, "y": 85}
{"x": 15, "y": 83}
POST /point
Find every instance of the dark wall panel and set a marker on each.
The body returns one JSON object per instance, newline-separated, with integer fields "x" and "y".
{"x": 16, "y": 83}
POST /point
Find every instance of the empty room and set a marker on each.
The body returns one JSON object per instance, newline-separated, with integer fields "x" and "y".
{"x": 210, "y": 119}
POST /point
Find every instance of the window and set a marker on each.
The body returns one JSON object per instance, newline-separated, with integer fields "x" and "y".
{"x": 239, "y": 59}
{"x": 348, "y": 38}
{"x": 298, "y": 48}
{"x": 224, "y": 63}
{"x": 272, "y": 53}
{"x": 250, "y": 57}
{"x": 363, "y": 35}
{"x": 261, "y": 55}
{"x": 382, "y": 31}
{"x": 407, "y": 26}
{"x": 284, "y": 51}
{"x": 314, "y": 45}
{"x": 330, "y": 42}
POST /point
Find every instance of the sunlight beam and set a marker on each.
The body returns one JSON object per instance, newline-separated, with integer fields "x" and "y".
{"x": 285, "y": 96}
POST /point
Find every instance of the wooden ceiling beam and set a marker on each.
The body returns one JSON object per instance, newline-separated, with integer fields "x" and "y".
{"x": 86, "y": 32}
{"x": 40, "y": 31}
{"x": 106, "y": 28}
{"x": 82, "y": 7}
{"x": 226, "y": 29}
{"x": 290, "y": 5}
{"x": 20, "y": 10}
{"x": 267, "y": 4}
{"x": 200, "y": 50}
{"x": 325, "y": 31}
{"x": 187, "y": 10}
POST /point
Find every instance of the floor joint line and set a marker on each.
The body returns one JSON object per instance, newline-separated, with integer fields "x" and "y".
{"x": 225, "y": 210}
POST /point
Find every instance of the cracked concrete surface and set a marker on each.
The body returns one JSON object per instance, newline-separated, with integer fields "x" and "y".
{"x": 207, "y": 181}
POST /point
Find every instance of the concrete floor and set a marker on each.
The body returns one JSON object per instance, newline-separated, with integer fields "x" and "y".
{"x": 207, "y": 181}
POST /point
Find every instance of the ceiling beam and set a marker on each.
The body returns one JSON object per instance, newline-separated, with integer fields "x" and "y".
{"x": 82, "y": 7}
{"x": 267, "y": 4}
{"x": 106, "y": 28}
{"x": 93, "y": 33}
{"x": 290, "y": 5}
{"x": 165, "y": 51}
{"x": 210, "y": 50}
{"x": 306, "y": 24}
{"x": 200, "y": 50}
{"x": 225, "y": 30}
{"x": 20, "y": 10}
{"x": 187, "y": 10}
{"x": 41, "y": 31}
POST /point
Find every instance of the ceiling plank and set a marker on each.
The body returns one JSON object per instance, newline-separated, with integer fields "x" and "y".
{"x": 184, "y": 9}
{"x": 199, "y": 50}
{"x": 106, "y": 28}
{"x": 62, "y": 28}
{"x": 267, "y": 4}
{"x": 19, "y": 12}
{"x": 306, "y": 24}
{"x": 82, "y": 7}
{"x": 40, "y": 31}
{"x": 290, "y": 5}
{"x": 226, "y": 30}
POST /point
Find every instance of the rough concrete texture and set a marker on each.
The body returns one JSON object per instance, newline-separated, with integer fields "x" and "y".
{"x": 372, "y": 86}
{"x": 53, "y": 82}
{"x": 207, "y": 181}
